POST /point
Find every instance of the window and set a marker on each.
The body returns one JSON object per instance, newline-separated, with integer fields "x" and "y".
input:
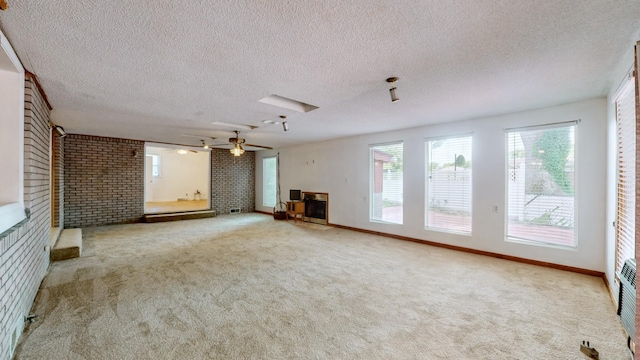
{"x": 541, "y": 184}
{"x": 386, "y": 183}
{"x": 269, "y": 181}
{"x": 11, "y": 137}
{"x": 626, "y": 175}
{"x": 155, "y": 165}
{"x": 448, "y": 184}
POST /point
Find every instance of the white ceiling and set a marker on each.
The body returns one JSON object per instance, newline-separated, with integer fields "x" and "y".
{"x": 152, "y": 70}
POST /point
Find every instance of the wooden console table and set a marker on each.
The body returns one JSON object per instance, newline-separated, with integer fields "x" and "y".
{"x": 295, "y": 208}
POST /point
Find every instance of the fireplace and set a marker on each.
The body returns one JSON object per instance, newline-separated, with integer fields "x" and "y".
{"x": 316, "y": 206}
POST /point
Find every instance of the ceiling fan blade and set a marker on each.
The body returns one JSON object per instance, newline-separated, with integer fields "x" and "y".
{"x": 193, "y": 151}
{"x": 225, "y": 144}
{"x": 259, "y": 146}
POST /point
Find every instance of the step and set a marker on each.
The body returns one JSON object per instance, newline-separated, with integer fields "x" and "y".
{"x": 69, "y": 245}
{"x": 190, "y": 215}
{"x": 54, "y": 234}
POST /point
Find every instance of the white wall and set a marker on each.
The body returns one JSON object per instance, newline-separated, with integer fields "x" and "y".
{"x": 341, "y": 168}
{"x": 621, "y": 71}
{"x": 180, "y": 176}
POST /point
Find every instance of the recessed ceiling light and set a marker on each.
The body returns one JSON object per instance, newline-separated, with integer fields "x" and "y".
{"x": 285, "y": 103}
{"x": 233, "y": 125}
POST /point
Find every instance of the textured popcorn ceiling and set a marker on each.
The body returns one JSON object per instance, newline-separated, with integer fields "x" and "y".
{"x": 152, "y": 70}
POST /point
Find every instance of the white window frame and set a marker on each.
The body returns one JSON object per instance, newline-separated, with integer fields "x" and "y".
{"x": 427, "y": 199}
{"x": 12, "y": 77}
{"x": 621, "y": 227}
{"x": 372, "y": 148}
{"x": 264, "y": 182}
{"x": 513, "y": 239}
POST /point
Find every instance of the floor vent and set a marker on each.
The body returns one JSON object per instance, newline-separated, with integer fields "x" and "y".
{"x": 234, "y": 210}
{"x": 627, "y": 298}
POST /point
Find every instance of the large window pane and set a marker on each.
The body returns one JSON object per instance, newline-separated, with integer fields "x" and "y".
{"x": 386, "y": 183}
{"x": 626, "y": 173}
{"x": 448, "y": 200}
{"x": 269, "y": 181}
{"x": 541, "y": 185}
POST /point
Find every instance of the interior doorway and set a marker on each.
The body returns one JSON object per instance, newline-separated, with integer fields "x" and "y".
{"x": 176, "y": 178}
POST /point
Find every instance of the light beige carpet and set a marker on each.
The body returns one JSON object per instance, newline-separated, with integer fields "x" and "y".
{"x": 249, "y": 287}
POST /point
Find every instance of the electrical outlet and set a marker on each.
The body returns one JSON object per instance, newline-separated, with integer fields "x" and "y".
{"x": 496, "y": 208}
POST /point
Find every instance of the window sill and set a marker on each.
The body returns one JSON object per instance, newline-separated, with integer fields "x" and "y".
{"x": 10, "y": 215}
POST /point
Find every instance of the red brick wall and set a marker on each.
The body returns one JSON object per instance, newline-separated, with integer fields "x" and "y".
{"x": 58, "y": 179}
{"x": 103, "y": 181}
{"x": 232, "y": 181}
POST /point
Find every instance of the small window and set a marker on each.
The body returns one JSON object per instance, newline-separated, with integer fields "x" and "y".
{"x": 541, "y": 198}
{"x": 155, "y": 165}
{"x": 386, "y": 183}
{"x": 269, "y": 181}
{"x": 448, "y": 188}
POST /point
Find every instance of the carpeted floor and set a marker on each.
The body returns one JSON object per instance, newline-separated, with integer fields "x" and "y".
{"x": 249, "y": 287}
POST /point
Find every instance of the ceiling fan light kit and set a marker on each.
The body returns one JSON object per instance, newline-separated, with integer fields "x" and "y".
{"x": 237, "y": 150}
{"x": 237, "y": 142}
{"x": 392, "y": 91}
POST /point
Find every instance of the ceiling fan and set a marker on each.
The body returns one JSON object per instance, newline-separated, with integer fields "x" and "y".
{"x": 186, "y": 151}
{"x": 203, "y": 143}
{"x": 237, "y": 143}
